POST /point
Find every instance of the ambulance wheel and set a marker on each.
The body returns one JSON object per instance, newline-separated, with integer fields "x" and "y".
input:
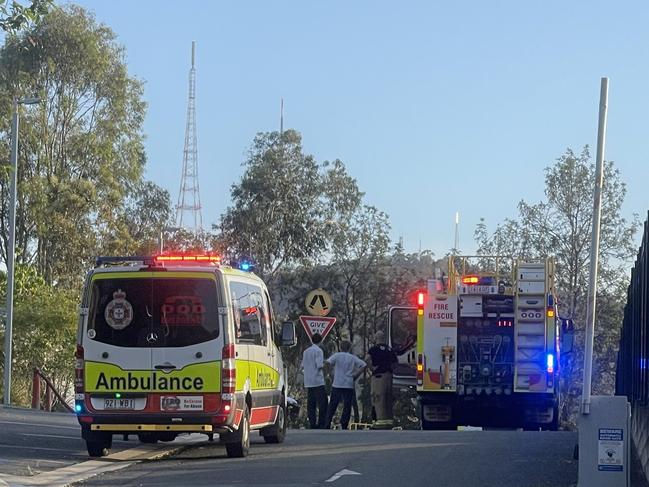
{"x": 277, "y": 432}
{"x": 147, "y": 438}
{"x": 98, "y": 445}
{"x": 238, "y": 444}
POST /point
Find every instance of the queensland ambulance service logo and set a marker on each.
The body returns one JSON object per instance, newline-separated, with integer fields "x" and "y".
{"x": 119, "y": 312}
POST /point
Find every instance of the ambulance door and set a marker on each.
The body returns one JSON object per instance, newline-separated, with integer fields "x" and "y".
{"x": 186, "y": 355}
{"x": 273, "y": 334}
{"x": 260, "y": 357}
{"x": 116, "y": 342}
{"x": 239, "y": 300}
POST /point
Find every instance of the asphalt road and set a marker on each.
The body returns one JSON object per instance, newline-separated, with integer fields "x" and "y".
{"x": 376, "y": 458}
{"x": 32, "y": 442}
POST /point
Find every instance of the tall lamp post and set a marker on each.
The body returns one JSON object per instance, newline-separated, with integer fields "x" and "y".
{"x": 11, "y": 250}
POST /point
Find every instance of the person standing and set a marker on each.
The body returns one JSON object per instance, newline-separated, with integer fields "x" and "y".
{"x": 380, "y": 359}
{"x": 312, "y": 363}
{"x": 347, "y": 367}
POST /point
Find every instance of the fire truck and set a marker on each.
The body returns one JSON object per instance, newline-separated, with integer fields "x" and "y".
{"x": 481, "y": 346}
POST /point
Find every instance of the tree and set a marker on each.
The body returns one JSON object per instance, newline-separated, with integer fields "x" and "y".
{"x": 17, "y": 17}
{"x": 44, "y": 333}
{"x": 561, "y": 226}
{"x": 283, "y": 206}
{"x": 81, "y": 151}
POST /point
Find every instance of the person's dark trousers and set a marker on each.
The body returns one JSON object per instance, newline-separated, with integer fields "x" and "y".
{"x": 316, "y": 396}
{"x": 338, "y": 393}
{"x": 357, "y": 418}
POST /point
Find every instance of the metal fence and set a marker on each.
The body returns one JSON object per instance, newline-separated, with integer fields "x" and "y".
{"x": 632, "y": 379}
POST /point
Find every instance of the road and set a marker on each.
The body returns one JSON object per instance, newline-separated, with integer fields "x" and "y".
{"x": 377, "y": 458}
{"x": 45, "y": 449}
{"x": 32, "y": 442}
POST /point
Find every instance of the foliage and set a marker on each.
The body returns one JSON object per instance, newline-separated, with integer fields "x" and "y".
{"x": 284, "y": 205}
{"x": 81, "y": 149}
{"x": 561, "y": 226}
{"x": 392, "y": 279}
{"x": 18, "y": 16}
{"x": 44, "y": 329}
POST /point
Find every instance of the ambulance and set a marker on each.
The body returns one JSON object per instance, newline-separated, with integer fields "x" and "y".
{"x": 173, "y": 344}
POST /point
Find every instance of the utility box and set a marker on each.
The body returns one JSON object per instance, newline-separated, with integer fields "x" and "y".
{"x": 604, "y": 443}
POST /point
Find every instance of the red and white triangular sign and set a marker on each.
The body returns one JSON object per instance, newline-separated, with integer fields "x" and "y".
{"x": 317, "y": 324}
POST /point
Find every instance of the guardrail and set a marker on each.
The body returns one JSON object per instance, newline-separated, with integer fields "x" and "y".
{"x": 632, "y": 379}
{"x": 37, "y": 379}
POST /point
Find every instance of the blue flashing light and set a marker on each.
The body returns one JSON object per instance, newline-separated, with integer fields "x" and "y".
{"x": 643, "y": 363}
{"x": 78, "y": 408}
{"x": 550, "y": 363}
{"x": 244, "y": 266}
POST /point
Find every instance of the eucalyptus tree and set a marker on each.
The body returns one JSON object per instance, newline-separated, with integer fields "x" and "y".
{"x": 81, "y": 149}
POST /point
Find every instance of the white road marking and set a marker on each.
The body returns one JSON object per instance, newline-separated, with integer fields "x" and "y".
{"x": 52, "y": 436}
{"x": 24, "y": 447}
{"x": 337, "y": 475}
{"x": 64, "y": 476}
{"x": 77, "y": 428}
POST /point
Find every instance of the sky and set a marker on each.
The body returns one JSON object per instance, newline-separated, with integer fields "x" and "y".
{"x": 434, "y": 107}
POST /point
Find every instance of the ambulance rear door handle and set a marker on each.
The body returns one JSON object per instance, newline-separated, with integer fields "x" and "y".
{"x": 165, "y": 367}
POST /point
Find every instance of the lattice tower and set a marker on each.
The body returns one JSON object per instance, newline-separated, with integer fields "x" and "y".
{"x": 188, "y": 209}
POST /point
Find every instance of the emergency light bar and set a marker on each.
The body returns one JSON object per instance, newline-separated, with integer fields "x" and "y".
{"x": 188, "y": 258}
{"x": 470, "y": 280}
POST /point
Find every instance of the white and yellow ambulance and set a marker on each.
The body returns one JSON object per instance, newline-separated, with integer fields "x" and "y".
{"x": 175, "y": 344}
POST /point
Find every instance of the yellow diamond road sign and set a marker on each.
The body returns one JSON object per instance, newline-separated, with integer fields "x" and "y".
{"x": 318, "y": 302}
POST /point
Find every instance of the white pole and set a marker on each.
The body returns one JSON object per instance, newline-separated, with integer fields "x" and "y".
{"x": 11, "y": 255}
{"x": 594, "y": 249}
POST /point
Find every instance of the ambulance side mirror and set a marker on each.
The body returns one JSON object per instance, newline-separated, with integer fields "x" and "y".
{"x": 289, "y": 337}
{"x": 567, "y": 335}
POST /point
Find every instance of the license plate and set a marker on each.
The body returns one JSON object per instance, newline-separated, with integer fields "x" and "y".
{"x": 119, "y": 403}
{"x": 464, "y": 289}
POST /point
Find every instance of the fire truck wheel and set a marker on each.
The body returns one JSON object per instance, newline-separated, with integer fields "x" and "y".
{"x": 147, "y": 438}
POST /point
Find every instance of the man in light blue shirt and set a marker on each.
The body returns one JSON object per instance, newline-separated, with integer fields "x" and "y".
{"x": 347, "y": 368}
{"x": 312, "y": 362}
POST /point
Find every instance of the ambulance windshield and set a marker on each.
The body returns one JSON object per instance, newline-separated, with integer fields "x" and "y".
{"x": 159, "y": 312}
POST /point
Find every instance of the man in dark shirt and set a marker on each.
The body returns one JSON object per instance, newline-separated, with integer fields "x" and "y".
{"x": 380, "y": 359}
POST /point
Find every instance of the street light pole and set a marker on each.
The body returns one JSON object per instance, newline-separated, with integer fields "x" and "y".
{"x": 11, "y": 249}
{"x": 11, "y": 253}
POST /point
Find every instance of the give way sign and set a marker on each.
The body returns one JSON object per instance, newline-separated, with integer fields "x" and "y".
{"x": 317, "y": 324}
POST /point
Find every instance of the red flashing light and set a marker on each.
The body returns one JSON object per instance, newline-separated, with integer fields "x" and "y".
{"x": 470, "y": 280}
{"x": 188, "y": 258}
{"x": 421, "y": 298}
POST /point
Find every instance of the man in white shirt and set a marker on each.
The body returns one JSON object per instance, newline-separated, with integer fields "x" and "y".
{"x": 312, "y": 362}
{"x": 347, "y": 368}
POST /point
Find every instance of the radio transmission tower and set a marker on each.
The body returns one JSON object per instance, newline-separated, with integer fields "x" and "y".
{"x": 188, "y": 209}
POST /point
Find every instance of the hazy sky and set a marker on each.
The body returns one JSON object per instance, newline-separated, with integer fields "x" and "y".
{"x": 434, "y": 107}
